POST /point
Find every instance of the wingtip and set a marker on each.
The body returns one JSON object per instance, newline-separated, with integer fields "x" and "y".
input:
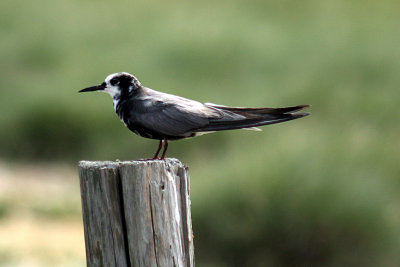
{"x": 300, "y": 115}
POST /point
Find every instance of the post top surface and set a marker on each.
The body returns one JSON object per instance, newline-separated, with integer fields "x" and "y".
{"x": 111, "y": 164}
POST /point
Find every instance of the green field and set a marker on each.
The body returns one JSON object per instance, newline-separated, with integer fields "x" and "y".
{"x": 319, "y": 191}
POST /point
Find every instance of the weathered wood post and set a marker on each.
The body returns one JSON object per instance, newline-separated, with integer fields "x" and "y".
{"x": 136, "y": 213}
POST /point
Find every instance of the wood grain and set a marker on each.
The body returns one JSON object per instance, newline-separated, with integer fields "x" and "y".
{"x": 136, "y": 213}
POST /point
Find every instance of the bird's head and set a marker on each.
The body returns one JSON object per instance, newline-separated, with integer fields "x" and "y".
{"x": 116, "y": 84}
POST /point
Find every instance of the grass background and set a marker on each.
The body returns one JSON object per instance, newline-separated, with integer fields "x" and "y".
{"x": 321, "y": 191}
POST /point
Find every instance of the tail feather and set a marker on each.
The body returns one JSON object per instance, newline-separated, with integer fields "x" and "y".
{"x": 283, "y": 110}
{"x": 251, "y": 117}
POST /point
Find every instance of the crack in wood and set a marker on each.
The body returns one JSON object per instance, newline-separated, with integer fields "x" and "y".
{"x": 152, "y": 227}
{"x": 123, "y": 218}
{"x": 105, "y": 199}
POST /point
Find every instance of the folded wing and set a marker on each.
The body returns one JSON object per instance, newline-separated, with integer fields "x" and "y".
{"x": 251, "y": 117}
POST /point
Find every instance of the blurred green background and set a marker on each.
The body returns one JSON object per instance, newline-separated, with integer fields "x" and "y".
{"x": 320, "y": 191}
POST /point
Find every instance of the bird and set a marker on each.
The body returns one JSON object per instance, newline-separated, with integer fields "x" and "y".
{"x": 161, "y": 116}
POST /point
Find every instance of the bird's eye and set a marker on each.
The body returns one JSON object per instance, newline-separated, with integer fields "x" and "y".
{"x": 114, "y": 81}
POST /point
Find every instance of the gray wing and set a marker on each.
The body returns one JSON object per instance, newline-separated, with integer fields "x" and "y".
{"x": 171, "y": 115}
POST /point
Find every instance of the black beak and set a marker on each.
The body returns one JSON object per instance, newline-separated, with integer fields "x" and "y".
{"x": 99, "y": 87}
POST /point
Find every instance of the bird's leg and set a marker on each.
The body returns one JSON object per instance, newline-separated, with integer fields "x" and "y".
{"x": 165, "y": 148}
{"x": 158, "y": 150}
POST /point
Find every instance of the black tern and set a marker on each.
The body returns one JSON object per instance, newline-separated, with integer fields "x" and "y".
{"x": 164, "y": 117}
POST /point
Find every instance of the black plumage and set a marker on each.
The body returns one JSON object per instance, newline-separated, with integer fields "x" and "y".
{"x": 164, "y": 117}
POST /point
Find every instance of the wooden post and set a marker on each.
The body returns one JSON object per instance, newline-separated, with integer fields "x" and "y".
{"x": 136, "y": 213}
